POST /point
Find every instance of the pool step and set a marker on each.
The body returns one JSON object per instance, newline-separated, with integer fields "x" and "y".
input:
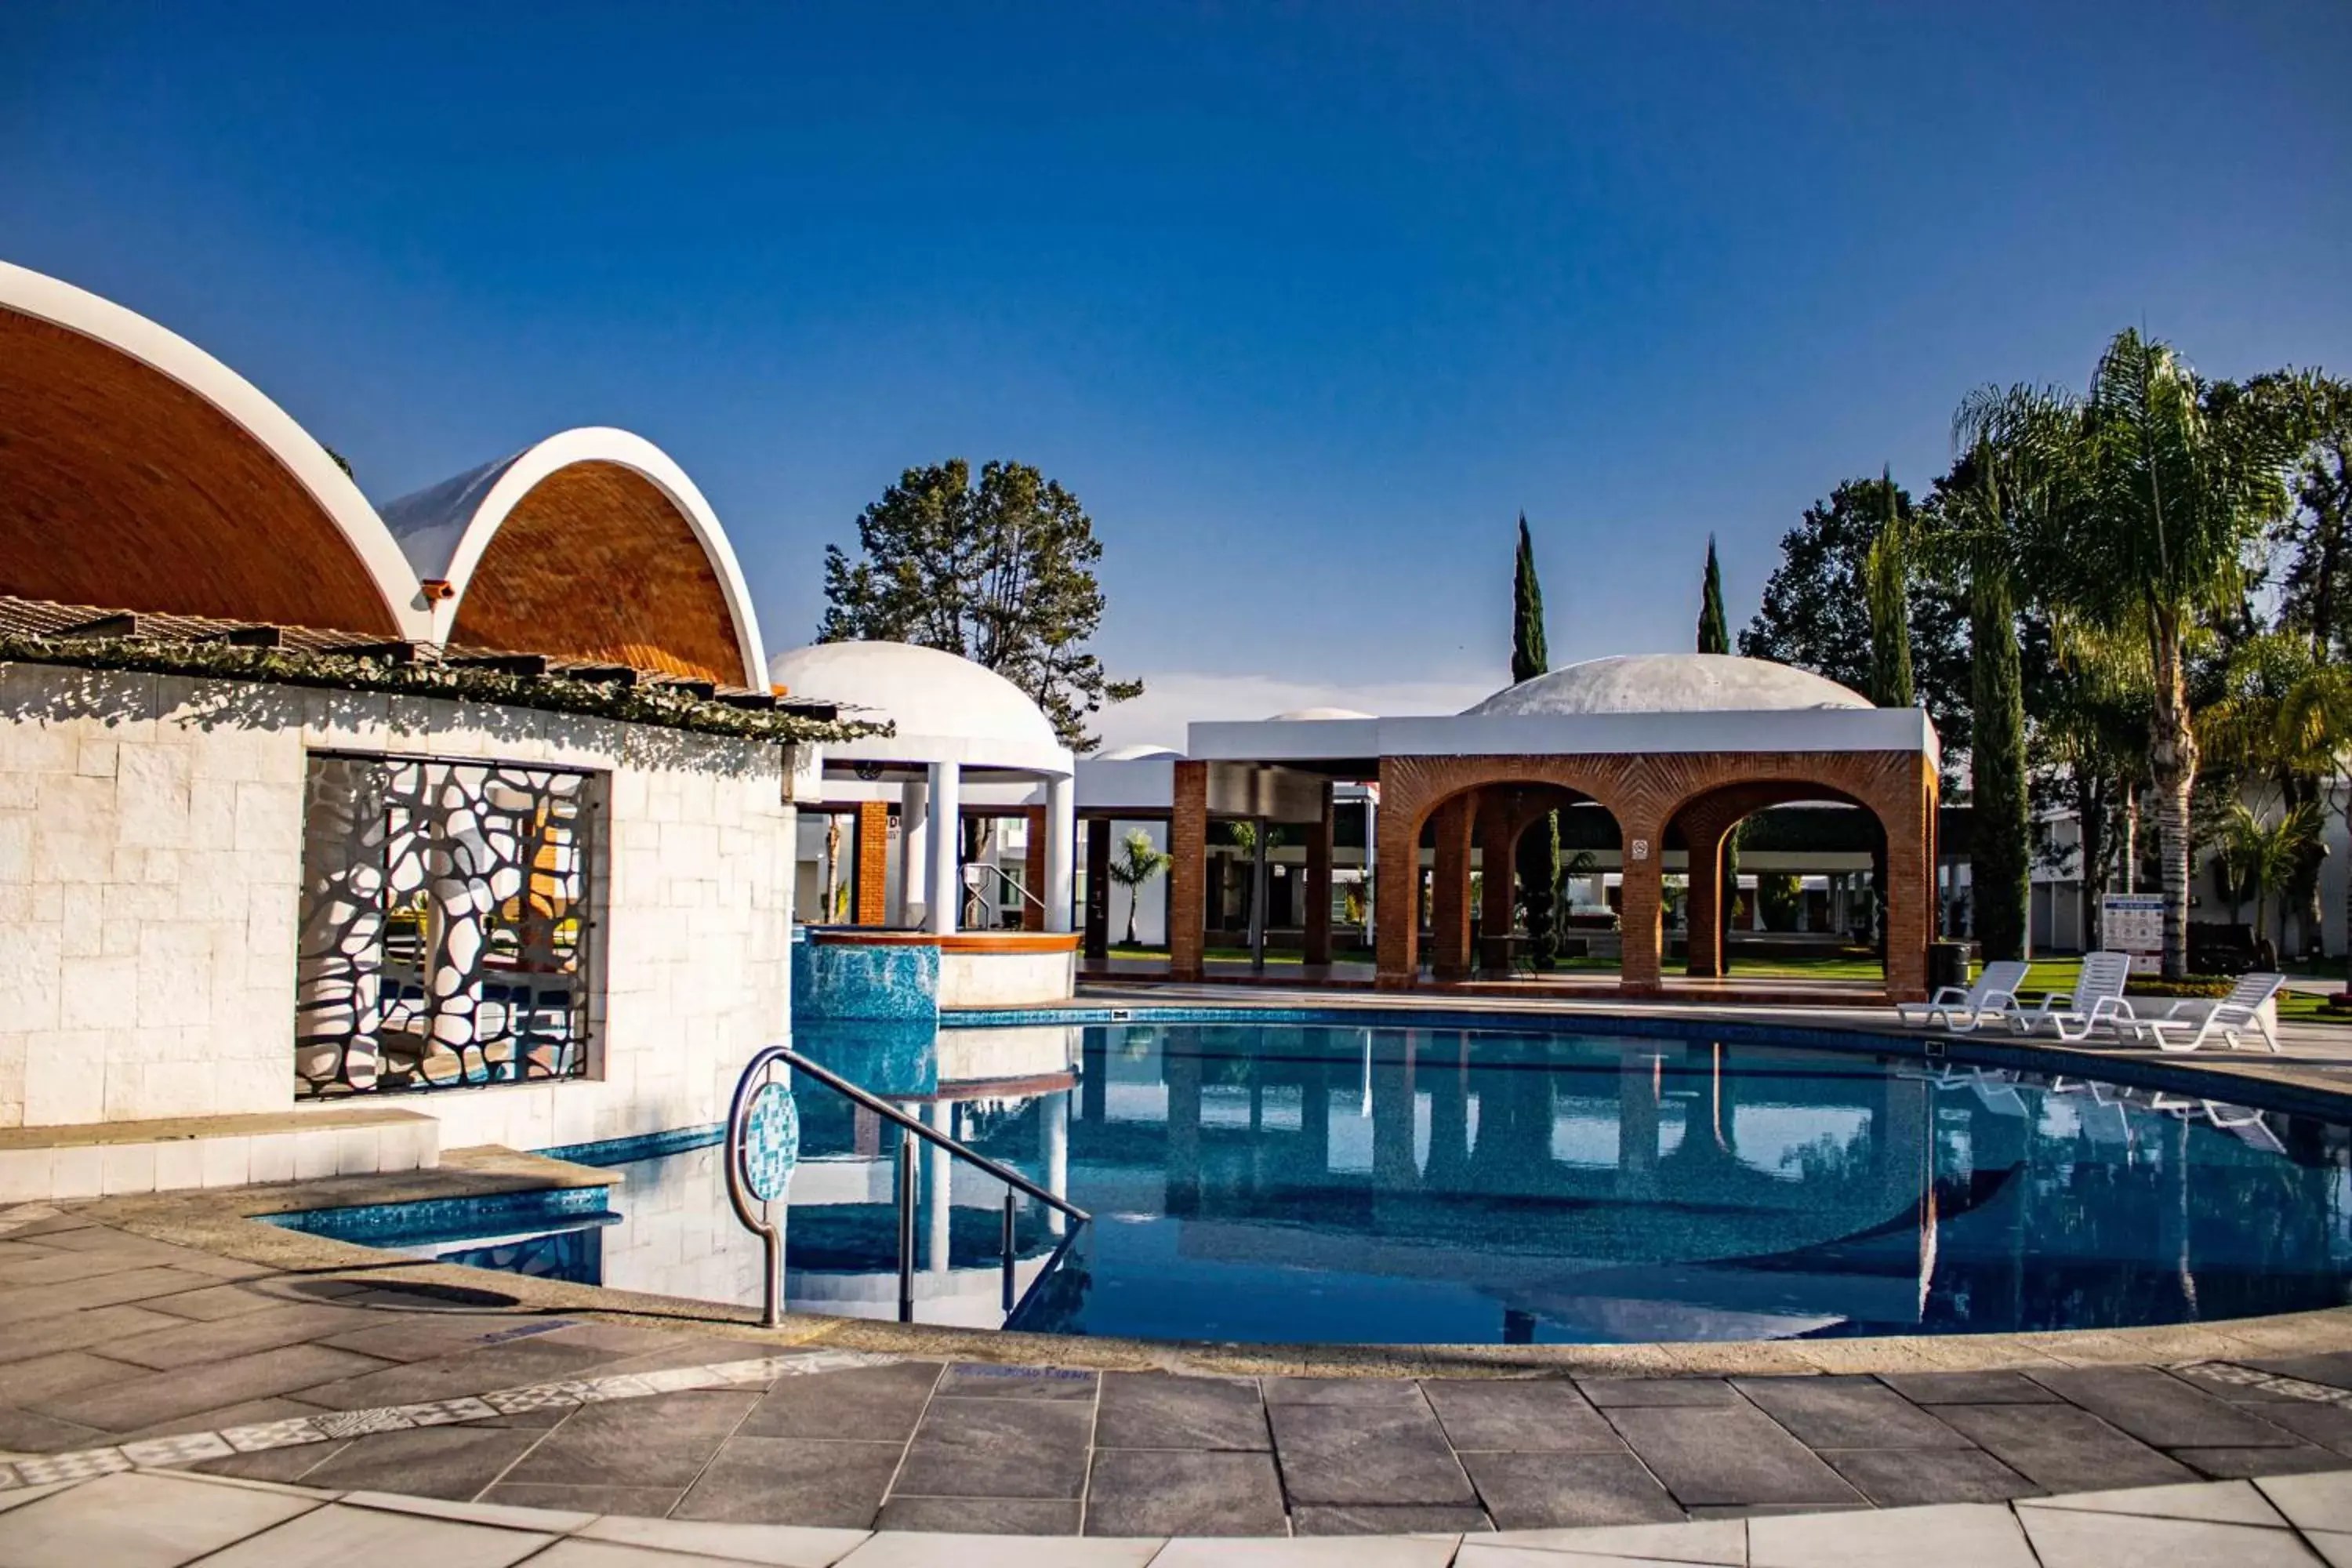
{"x": 182, "y": 1153}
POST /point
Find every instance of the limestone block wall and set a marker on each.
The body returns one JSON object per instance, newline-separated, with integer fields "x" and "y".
{"x": 149, "y": 867}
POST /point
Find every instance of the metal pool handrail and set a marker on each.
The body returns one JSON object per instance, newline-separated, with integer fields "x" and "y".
{"x": 961, "y": 1151}
{"x": 909, "y": 1177}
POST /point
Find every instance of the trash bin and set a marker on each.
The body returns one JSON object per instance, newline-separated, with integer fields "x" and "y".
{"x": 1947, "y": 964}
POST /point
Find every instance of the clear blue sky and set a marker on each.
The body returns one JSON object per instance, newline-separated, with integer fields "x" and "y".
{"x": 1305, "y": 301}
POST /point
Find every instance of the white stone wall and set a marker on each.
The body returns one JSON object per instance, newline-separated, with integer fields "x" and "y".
{"x": 150, "y": 865}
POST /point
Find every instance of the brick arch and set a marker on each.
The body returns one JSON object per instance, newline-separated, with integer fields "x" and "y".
{"x": 1647, "y": 793}
{"x": 597, "y": 562}
{"x": 138, "y": 472}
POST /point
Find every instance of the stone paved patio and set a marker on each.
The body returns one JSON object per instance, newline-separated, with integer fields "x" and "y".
{"x": 119, "y": 1349}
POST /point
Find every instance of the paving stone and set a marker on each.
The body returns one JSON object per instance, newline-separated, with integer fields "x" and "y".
{"x": 1547, "y": 1416}
{"x": 193, "y": 1344}
{"x": 910, "y": 1549}
{"x": 214, "y": 1303}
{"x": 164, "y": 1397}
{"x": 1713, "y": 1542}
{"x": 982, "y": 1379}
{"x": 247, "y": 1412}
{"x": 782, "y": 1545}
{"x": 1848, "y": 1413}
{"x": 341, "y": 1534}
{"x": 509, "y": 1365}
{"x": 1405, "y": 1551}
{"x": 876, "y": 1402}
{"x": 1154, "y": 1410}
{"x": 285, "y": 1466}
{"x": 2329, "y": 1426}
{"x": 2063, "y": 1538}
{"x": 1135, "y": 1491}
{"x": 2061, "y": 1448}
{"x": 1366, "y": 1519}
{"x": 428, "y": 1336}
{"x": 1341, "y": 1390}
{"x": 1539, "y": 1492}
{"x": 53, "y": 1268}
{"x": 453, "y": 1462}
{"x": 2334, "y": 1547}
{"x": 659, "y": 1442}
{"x": 1737, "y": 1456}
{"x": 2230, "y": 1463}
{"x": 1908, "y": 1478}
{"x": 92, "y": 1329}
{"x": 646, "y": 1501}
{"x": 106, "y": 1290}
{"x": 2311, "y": 1502}
{"x": 1967, "y": 1388}
{"x": 1609, "y": 1391}
{"x": 23, "y": 1432}
{"x": 2160, "y": 1409}
{"x": 2333, "y": 1368}
{"x": 2216, "y": 1502}
{"x": 1367, "y": 1454}
{"x": 999, "y": 1447}
{"x": 139, "y": 1520}
{"x": 504, "y": 1517}
{"x": 794, "y": 1481}
{"x": 65, "y": 1372}
{"x": 1977, "y": 1535}
{"x": 980, "y": 1516}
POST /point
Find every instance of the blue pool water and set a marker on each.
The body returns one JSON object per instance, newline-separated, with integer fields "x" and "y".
{"x": 1324, "y": 1182}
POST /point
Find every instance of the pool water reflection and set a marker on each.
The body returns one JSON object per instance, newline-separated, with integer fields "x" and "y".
{"x": 1339, "y": 1184}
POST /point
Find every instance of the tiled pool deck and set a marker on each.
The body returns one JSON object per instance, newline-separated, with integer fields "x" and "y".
{"x": 153, "y": 1351}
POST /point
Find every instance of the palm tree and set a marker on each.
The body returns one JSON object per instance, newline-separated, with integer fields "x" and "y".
{"x": 2158, "y": 479}
{"x": 1139, "y": 861}
{"x": 2315, "y": 723}
{"x": 2264, "y": 854}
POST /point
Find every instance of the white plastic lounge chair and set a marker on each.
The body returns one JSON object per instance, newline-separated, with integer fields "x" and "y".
{"x": 1961, "y": 1010}
{"x": 2096, "y": 1000}
{"x": 2239, "y": 1013}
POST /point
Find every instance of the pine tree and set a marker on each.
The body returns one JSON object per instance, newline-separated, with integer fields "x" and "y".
{"x": 1714, "y": 631}
{"x": 1538, "y": 855}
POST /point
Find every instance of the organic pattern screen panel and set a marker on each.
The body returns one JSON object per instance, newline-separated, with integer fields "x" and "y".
{"x": 448, "y": 933}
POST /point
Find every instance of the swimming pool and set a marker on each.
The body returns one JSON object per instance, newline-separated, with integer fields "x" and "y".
{"x": 1329, "y": 1182}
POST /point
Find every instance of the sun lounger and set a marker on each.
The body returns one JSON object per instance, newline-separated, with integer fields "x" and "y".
{"x": 2237, "y": 1015}
{"x": 2096, "y": 1001}
{"x": 1963, "y": 1010}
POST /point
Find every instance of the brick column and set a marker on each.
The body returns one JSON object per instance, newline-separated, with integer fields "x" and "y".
{"x": 1098, "y": 926}
{"x": 1637, "y": 917}
{"x": 1449, "y": 922}
{"x": 869, "y": 865}
{"x": 1910, "y": 893}
{"x": 1396, "y": 887}
{"x": 1188, "y": 874}
{"x": 1318, "y": 885}
{"x": 1703, "y": 840}
{"x": 1497, "y": 820}
{"x": 1033, "y": 870}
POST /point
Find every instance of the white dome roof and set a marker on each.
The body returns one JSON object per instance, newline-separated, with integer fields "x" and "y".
{"x": 946, "y": 708}
{"x": 1297, "y": 715}
{"x": 1141, "y": 752}
{"x": 1668, "y": 683}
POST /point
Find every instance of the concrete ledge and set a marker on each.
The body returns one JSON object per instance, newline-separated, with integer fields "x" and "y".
{"x": 121, "y": 1158}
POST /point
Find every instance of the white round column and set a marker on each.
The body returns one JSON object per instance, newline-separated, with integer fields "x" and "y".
{"x": 946, "y": 850}
{"x": 1061, "y": 852}
{"x": 914, "y": 848}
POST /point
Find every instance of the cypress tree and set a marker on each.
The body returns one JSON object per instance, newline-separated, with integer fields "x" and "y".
{"x": 1887, "y": 589}
{"x": 1530, "y": 657}
{"x": 1537, "y": 855}
{"x": 1886, "y": 583}
{"x": 2000, "y": 853}
{"x": 1714, "y": 631}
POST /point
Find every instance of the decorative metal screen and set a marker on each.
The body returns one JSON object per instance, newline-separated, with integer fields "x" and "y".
{"x": 448, "y": 937}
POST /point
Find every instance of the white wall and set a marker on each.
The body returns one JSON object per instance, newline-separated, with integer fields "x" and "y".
{"x": 1152, "y": 911}
{"x": 151, "y": 841}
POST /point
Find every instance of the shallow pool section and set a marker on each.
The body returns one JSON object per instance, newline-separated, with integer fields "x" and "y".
{"x": 1304, "y": 1183}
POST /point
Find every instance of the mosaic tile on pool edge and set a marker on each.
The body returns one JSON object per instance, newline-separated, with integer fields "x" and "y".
{"x": 85, "y": 1465}
{"x": 444, "y": 1412}
{"x": 263, "y": 1435}
{"x": 360, "y": 1423}
{"x": 182, "y": 1450}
